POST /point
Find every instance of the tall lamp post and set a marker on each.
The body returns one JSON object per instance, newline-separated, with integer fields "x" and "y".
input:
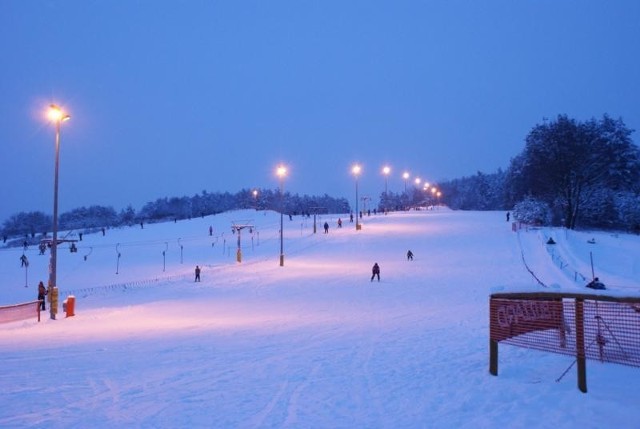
{"x": 405, "y": 176}
{"x": 57, "y": 116}
{"x": 356, "y": 172}
{"x": 281, "y": 172}
{"x": 255, "y": 198}
{"x": 386, "y": 170}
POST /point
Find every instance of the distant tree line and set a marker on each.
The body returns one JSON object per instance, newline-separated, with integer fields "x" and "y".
{"x": 570, "y": 173}
{"x": 31, "y": 226}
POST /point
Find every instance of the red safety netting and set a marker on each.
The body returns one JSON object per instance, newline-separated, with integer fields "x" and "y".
{"x": 13, "y": 313}
{"x": 593, "y": 327}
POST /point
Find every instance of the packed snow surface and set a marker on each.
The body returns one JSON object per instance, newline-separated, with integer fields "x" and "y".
{"x": 311, "y": 344}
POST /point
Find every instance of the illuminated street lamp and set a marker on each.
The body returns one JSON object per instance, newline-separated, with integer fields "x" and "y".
{"x": 418, "y": 180}
{"x": 255, "y": 198}
{"x": 281, "y": 172}
{"x": 386, "y": 170}
{"x": 356, "y": 169}
{"x": 405, "y": 176}
{"x": 57, "y": 116}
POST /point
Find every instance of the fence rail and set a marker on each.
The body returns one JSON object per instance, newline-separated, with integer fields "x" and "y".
{"x": 17, "y": 312}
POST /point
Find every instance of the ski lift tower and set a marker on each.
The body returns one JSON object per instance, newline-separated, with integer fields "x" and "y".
{"x": 316, "y": 211}
{"x": 365, "y": 201}
{"x": 238, "y": 228}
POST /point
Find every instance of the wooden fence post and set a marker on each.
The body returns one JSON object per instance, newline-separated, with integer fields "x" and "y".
{"x": 493, "y": 357}
{"x": 580, "y": 354}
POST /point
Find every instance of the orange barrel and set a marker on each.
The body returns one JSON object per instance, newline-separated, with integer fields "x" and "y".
{"x": 71, "y": 305}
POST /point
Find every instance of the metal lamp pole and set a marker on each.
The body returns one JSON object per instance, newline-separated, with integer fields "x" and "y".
{"x": 356, "y": 171}
{"x": 281, "y": 172}
{"x": 386, "y": 170}
{"x": 56, "y": 114}
{"x": 281, "y": 227}
{"x": 357, "y": 212}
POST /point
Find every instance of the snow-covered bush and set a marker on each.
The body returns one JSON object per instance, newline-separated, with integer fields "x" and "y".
{"x": 532, "y": 211}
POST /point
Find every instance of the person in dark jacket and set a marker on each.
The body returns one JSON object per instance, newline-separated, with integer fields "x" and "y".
{"x": 326, "y": 227}
{"x": 42, "y": 292}
{"x": 409, "y": 255}
{"x": 197, "y": 273}
{"x": 375, "y": 271}
{"x": 596, "y": 284}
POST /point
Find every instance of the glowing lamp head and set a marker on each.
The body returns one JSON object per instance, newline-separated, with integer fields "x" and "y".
{"x": 405, "y": 175}
{"x": 386, "y": 170}
{"x": 356, "y": 170}
{"x": 281, "y": 171}
{"x": 418, "y": 180}
{"x": 56, "y": 114}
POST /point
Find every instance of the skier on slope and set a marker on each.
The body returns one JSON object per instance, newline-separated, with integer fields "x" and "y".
{"x": 375, "y": 271}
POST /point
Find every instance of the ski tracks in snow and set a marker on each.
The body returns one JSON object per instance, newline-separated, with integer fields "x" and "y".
{"x": 285, "y": 401}
{"x": 324, "y": 371}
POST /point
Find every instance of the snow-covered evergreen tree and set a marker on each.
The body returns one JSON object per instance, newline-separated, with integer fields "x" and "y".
{"x": 567, "y": 162}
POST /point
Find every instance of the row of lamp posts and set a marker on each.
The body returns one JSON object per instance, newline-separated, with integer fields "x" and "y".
{"x": 58, "y": 116}
{"x": 356, "y": 170}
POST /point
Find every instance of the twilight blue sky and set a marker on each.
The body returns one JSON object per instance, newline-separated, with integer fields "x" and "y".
{"x": 170, "y": 98}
